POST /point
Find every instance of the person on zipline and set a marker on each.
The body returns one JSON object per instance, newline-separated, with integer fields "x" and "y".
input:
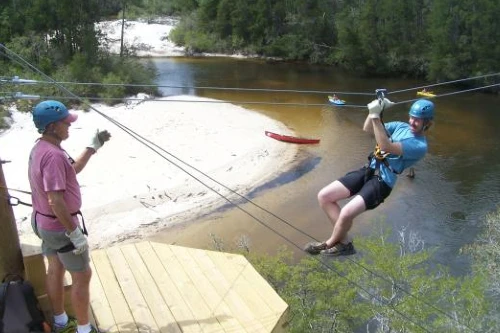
{"x": 399, "y": 146}
{"x": 56, "y": 202}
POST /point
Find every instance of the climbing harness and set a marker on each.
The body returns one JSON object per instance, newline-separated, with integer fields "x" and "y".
{"x": 72, "y": 214}
{"x": 379, "y": 155}
{"x": 13, "y": 201}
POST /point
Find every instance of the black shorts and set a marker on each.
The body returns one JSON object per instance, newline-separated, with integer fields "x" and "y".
{"x": 369, "y": 186}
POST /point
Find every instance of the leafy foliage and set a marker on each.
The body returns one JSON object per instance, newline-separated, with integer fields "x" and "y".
{"x": 60, "y": 41}
{"x": 440, "y": 39}
{"x": 486, "y": 255}
{"x": 389, "y": 288}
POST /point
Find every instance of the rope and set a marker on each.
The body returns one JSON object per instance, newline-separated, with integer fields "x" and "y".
{"x": 208, "y": 101}
{"x": 446, "y": 82}
{"x": 303, "y": 91}
{"x": 147, "y": 143}
{"x": 15, "y": 190}
{"x": 453, "y": 93}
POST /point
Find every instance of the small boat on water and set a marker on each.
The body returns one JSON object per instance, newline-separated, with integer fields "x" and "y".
{"x": 336, "y": 101}
{"x": 426, "y": 94}
{"x": 292, "y": 139}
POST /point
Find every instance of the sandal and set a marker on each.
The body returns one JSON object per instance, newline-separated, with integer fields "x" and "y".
{"x": 315, "y": 247}
{"x": 339, "y": 249}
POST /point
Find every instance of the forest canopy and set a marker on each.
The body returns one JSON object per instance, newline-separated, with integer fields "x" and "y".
{"x": 436, "y": 39}
{"x": 433, "y": 39}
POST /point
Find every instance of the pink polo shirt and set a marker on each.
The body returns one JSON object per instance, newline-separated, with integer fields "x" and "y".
{"x": 50, "y": 170}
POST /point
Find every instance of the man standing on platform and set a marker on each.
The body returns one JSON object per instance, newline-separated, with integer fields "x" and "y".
{"x": 57, "y": 201}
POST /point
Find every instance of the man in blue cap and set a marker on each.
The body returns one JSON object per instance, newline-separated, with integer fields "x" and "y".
{"x": 399, "y": 146}
{"x": 56, "y": 202}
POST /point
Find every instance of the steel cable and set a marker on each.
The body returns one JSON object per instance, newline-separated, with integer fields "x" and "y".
{"x": 148, "y": 144}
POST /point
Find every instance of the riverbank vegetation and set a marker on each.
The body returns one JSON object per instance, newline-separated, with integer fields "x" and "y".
{"x": 60, "y": 40}
{"x": 386, "y": 287}
{"x": 486, "y": 263}
{"x": 437, "y": 40}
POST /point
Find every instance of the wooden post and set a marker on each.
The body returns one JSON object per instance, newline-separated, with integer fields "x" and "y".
{"x": 11, "y": 259}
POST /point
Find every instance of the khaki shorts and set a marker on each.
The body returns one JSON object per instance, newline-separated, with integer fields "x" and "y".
{"x": 54, "y": 243}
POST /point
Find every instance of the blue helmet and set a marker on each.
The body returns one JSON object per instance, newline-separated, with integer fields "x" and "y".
{"x": 48, "y": 112}
{"x": 422, "y": 108}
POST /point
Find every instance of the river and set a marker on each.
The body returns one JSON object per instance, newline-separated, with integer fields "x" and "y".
{"x": 455, "y": 186}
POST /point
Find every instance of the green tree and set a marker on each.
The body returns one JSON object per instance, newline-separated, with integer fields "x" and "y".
{"x": 464, "y": 37}
{"x": 388, "y": 287}
{"x": 486, "y": 263}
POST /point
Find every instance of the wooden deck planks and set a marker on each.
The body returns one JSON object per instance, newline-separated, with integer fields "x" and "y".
{"x": 200, "y": 310}
{"x": 173, "y": 297}
{"x": 217, "y": 306}
{"x": 100, "y": 304}
{"x": 233, "y": 273}
{"x": 152, "y": 295}
{"x": 112, "y": 291}
{"x": 154, "y": 287}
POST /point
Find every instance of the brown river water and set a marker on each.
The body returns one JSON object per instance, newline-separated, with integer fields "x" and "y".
{"x": 455, "y": 186}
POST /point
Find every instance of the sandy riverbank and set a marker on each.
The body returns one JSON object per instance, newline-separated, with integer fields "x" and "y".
{"x": 129, "y": 190}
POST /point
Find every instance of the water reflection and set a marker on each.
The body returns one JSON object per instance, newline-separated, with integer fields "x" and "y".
{"x": 306, "y": 165}
{"x": 455, "y": 186}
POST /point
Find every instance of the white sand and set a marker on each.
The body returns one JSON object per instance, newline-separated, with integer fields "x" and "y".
{"x": 130, "y": 191}
{"x": 147, "y": 39}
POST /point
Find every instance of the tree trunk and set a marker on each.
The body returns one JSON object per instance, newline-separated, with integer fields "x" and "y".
{"x": 123, "y": 29}
{"x": 11, "y": 260}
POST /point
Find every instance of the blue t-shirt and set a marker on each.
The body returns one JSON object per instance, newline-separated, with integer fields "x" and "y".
{"x": 414, "y": 148}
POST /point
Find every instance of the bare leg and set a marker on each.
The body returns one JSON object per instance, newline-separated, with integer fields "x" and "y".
{"x": 340, "y": 218}
{"x": 54, "y": 284}
{"x": 80, "y": 296}
{"x": 344, "y": 221}
{"x": 328, "y": 197}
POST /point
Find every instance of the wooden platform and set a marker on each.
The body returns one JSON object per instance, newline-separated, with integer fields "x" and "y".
{"x": 154, "y": 287}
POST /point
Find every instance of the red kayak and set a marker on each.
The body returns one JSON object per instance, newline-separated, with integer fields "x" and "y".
{"x": 292, "y": 139}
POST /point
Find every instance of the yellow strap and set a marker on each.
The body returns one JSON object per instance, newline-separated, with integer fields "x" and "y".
{"x": 379, "y": 154}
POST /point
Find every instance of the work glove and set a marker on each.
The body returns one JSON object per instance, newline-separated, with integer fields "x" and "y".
{"x": 376, "y": 107}
{"x": 99, "y": 139}
{"x": 79, "y": 241}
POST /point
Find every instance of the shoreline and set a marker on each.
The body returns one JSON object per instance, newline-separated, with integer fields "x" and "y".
{"x": 157, "y": 43}
{"x": 225, "y": 142}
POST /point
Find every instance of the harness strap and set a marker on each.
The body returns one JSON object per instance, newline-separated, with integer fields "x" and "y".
{"x": 381, "y": 157}
{"x": 55, "y": 217}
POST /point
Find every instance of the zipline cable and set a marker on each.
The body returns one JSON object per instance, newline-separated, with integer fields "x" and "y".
{"x": 132, "y": 85}
{"x": 382, "y": 301}
{"x": 144, "y": 141}
{"x": 209, "y": 101}
{"x": 445, "y": 83}
{"x": 162, "y": 99}
{"x": 452, "y": 93}
{"x": 303, "y": 91}
{"x": 285, "y": 222}
{"x": 391, "y": 306}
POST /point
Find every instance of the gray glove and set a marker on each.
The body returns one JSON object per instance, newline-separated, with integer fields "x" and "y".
{"x": 79, "y": 241}
{"x": 99, "y": 139}
{"x": 377, "y": 106}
